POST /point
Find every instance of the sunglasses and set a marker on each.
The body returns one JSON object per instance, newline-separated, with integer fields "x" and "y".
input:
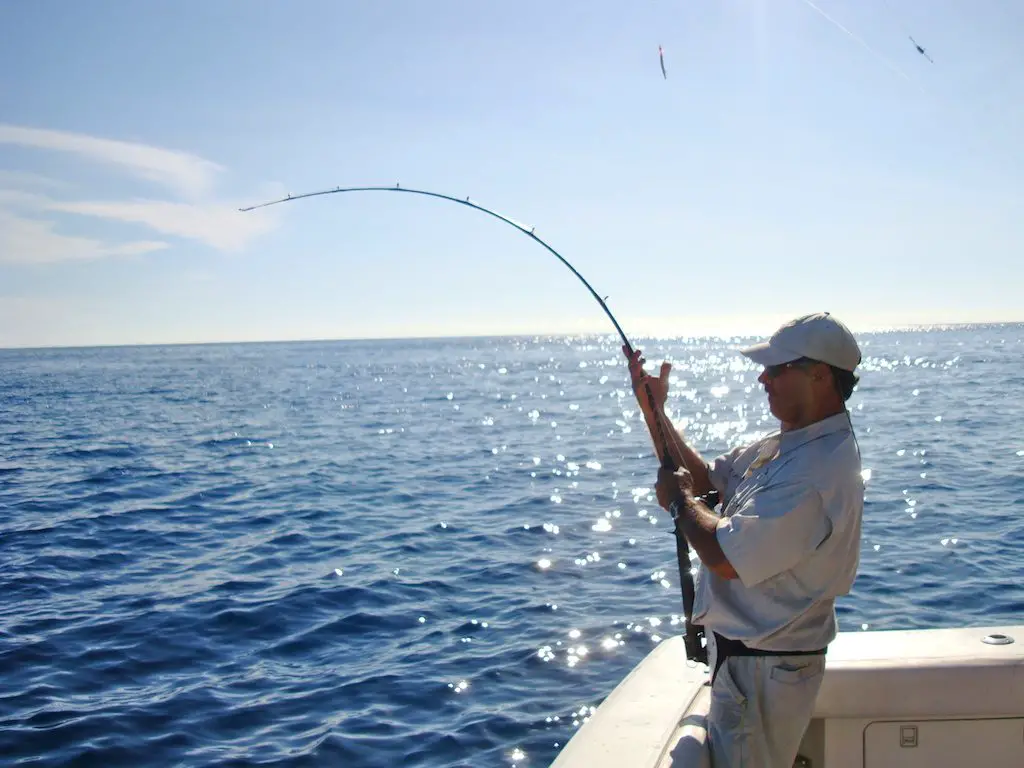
{"x": 773, "y": 371}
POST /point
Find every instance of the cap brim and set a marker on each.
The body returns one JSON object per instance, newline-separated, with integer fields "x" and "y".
{"x": 766, "y": 354}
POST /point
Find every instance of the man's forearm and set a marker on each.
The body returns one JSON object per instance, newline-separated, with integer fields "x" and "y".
{"x": 700, "y": 525}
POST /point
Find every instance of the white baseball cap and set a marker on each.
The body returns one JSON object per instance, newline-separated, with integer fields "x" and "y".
{"x": 818, "y": 336}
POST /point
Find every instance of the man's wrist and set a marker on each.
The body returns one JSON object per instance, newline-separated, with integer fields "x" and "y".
{"x": 685, "y": 502}
{"x": 709, "y": 499}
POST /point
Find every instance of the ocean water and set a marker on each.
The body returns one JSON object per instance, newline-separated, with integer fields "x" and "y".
{"x": 425, "y": 553}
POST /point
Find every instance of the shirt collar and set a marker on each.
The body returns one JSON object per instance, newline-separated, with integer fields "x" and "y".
{"x": 797, "y": 437}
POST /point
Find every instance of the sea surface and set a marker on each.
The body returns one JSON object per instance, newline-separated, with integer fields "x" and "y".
{"x": 430, "y": 552}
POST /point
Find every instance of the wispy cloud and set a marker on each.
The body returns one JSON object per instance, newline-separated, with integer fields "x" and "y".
{"x": 28, "y": 201}
{"x": 33, "y": 241}
{"x": 185, "y": 173}
{"x": 217, "y": 225}
{"x": 27, "y": 179}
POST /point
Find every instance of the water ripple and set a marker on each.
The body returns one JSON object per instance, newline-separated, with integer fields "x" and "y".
{"x": 424, "y": 553}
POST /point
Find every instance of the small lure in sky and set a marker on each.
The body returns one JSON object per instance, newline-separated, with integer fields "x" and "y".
{"x": 661, "y": 58}
{"x": 920, "y": 49}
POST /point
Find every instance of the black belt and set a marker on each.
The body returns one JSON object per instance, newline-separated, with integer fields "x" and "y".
{"x": 724, "y": 648}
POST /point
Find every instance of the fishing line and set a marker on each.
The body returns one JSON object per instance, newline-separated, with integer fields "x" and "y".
{"x": 892, "y": 67}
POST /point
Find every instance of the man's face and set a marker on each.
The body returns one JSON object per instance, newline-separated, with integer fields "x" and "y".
{"x": 790, "y": 388}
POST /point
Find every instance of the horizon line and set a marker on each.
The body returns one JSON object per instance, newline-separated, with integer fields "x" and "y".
{"x": 895, "y": 328}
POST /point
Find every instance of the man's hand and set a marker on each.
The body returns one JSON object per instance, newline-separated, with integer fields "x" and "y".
{"x": 658, "y": 386}
{"x": 673, "y": 486}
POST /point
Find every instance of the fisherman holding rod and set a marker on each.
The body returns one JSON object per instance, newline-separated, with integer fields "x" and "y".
{"x": 785, "y": 544}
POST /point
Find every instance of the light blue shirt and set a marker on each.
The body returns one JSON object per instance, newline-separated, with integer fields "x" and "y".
{"x": 791, "y": 530}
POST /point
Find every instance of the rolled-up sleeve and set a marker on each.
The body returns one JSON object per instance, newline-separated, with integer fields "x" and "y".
{"x": 773, "y": 531}
{"x": 720, "y": 471}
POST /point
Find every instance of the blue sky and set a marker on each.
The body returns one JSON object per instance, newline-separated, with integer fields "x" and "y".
{"x": 786, "y": 165}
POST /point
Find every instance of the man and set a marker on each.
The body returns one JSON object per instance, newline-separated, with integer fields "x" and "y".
{"x": 786, "y": 544}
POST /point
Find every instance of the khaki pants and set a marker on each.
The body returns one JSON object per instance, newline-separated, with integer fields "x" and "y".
{"x": 760, "y": 708}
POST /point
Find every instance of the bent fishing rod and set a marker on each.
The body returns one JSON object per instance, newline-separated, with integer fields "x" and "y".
{"x": 693, "y": 635}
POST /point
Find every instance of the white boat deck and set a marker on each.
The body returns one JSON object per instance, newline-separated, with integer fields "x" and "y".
{"x": 935, "y": 697}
